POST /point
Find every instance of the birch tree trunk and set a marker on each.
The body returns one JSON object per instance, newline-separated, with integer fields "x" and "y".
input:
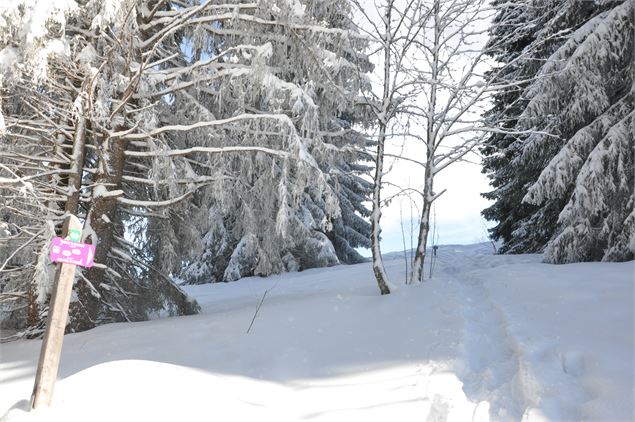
{"x": 435, "y": 58}
{"x": 398, "y": 41}
{"x": 424, "y": 227}
{"x": 378, "y": 264}
{"x": 424, "y": 222}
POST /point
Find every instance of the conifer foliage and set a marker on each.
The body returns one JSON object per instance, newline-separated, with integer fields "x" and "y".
{"x": 170, "y": 126}
{"x": 317, "y": 76}
{"x": 569, "y": 194}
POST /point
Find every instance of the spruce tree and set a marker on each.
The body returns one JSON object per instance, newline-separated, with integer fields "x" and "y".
{"x": 313, "y": 77}
{"x": 580, "y": 72}
{"x": 136, "y": 115}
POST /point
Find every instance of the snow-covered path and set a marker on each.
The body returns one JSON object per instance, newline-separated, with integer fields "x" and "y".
{"x": 488, "y": 338}
{"x": 490, "y": 361}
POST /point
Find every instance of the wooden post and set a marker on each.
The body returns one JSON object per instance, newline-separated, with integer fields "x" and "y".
{"x": 49, "y": 362}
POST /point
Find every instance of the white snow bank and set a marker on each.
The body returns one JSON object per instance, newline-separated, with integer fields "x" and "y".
{"x": 489, "y": 338}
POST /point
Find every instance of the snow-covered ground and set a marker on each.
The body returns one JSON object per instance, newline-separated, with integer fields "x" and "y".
{"x": 488, "y": 338}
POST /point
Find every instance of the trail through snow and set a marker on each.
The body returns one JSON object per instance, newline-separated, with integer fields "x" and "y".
{"x": 491, "y": 363}
{"x": 488, "y": 338}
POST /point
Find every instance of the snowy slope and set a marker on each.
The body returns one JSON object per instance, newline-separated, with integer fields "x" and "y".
{"x": 488, "y": 338}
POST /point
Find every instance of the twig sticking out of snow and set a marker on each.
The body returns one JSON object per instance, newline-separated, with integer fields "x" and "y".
{"x": 259, "y": 305}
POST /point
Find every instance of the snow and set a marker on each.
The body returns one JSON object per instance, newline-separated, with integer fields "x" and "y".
{"x": 41, "y": 12}
{"x": 27, "y": 25}
{"x": 586, "y": 325}
{"x": 100, "y": 191}
{"x": 488, "y": 338}
{"x": 109, "y": 12}
{"x": 8, "y": 57}
{"x": 88, "y": 55}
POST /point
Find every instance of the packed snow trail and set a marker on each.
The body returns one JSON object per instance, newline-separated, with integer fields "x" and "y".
{"x": 489, "y": 338}
{"x": 491, "y": 363}
{"x": 490, "y": 366}
{"x": 537, "y": 336}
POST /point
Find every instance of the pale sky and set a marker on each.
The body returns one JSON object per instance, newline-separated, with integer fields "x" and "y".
{"x": 458, "y": 210}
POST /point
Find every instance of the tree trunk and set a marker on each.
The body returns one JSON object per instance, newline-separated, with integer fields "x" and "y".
{"x": 378, "y": 265}
{"x": 416, "y": 274}
{"x": 100, "y": 230}
{"x": 428, "y": 193}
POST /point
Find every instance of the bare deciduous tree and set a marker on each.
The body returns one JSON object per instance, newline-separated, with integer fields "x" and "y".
{"x": 434, "y": 58}
{"x": 395, "y": 27}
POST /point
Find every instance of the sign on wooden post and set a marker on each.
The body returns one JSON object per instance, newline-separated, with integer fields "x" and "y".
{"x": 69, "y": 254}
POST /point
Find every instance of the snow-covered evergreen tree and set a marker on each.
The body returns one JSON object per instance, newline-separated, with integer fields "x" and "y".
{"x": 513, "y": 31}
{"x": 576, "y": 189}
{"x": 311, "y": 77}
{"x": 112, "y": 111}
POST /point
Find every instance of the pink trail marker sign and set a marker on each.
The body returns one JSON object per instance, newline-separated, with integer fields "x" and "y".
{"x": 69, "y": 252}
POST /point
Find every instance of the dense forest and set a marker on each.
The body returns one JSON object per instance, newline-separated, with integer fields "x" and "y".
{"x": 207, "y": 141}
